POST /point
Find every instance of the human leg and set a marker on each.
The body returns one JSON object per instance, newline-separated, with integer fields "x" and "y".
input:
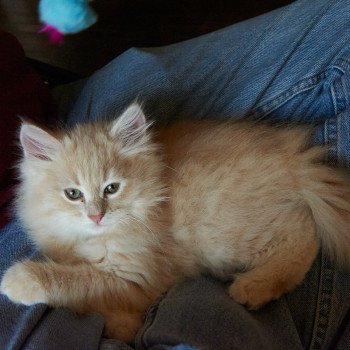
{"x": 250, "y": 68}
{"x": 234, "y": 72}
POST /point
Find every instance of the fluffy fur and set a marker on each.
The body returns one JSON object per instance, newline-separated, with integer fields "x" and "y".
{"x": 245, "y": 202}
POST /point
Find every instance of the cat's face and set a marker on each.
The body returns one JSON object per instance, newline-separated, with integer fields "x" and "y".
{"x": 92, "y": 180}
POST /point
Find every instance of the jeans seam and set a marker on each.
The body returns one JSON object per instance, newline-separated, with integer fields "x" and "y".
{"x": 324, "y": 301}
{"x": 306, "y": 84}
{"x": 342, "y": 63}
{"x": 327, "y": 275}
{"x": 324, "y": 304}
{"x": 339, "y": 95}
{"x": 331, "y": 138}
{"x": 320, "y": 15}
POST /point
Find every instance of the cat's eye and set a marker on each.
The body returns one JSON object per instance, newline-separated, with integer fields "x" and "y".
{"x": 112, "y": 188}
{"x": 73, "y": 194}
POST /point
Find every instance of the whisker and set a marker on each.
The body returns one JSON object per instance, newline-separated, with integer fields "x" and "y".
{"x": 139, "y": 221}
{"x": 169, "y": 167}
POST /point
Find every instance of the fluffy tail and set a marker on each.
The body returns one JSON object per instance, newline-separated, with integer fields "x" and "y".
{"x": 327, "y": 191}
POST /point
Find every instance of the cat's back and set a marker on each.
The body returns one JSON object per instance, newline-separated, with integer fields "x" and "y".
{"x": 216, "y": 146}
{"x": 228, "y": 178}
{"x": 217, "y": 166}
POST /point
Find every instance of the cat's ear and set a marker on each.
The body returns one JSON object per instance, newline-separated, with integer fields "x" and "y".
{"x": 131, "y": 125}
{"x": 37, "y": 143}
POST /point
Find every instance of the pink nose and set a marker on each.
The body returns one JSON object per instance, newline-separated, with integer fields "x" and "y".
{"x": 96, "y": 218}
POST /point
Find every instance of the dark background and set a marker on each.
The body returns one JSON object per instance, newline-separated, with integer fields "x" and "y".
{"x": 126, "y": 23}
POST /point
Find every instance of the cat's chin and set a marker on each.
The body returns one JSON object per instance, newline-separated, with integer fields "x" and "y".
{"x": 89, "y": 228}
{"x": 98, "y": 229}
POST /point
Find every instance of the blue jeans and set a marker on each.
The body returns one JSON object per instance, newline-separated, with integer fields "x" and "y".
{"x": 288, "y": 65}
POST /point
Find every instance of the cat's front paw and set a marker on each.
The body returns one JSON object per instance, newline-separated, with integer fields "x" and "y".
{"x": 21, "y": 286}
{"x": 253, "y": 294}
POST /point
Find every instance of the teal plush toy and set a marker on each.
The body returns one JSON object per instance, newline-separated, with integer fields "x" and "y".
{"x": 61, "y": 17}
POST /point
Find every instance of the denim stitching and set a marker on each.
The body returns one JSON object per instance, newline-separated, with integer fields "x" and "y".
{"x": 331, "y": 139}
{"x": 279, "y": 100}
{"x": 335, "y": 98}
{"x": 340, "y": 100}
{"x": 342, "y": 63}
{"x": 346, "y": 96}
{"x": 339, "y": 95}
{"x": 296, "y": 46}
{"x": 327, "y": 277}
{"x": 324, "y": 304}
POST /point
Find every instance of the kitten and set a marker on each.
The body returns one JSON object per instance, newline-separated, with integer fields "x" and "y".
{"x": 121, "y": 214}
{"x": 92, "y": 200}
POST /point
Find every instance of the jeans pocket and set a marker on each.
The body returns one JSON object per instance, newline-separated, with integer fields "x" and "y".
{"x": 321, "y": 100}
{"x": 313, "y": 99}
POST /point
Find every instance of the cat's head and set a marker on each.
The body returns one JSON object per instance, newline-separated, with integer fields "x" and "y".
{"x": 90, "y": 179}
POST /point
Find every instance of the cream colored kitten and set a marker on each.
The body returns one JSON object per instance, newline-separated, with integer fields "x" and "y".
{"x": 92, "y": 201}
{"x": 121, "y": 219}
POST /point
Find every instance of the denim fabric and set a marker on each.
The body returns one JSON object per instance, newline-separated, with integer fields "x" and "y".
{"x": 290, "y": 65}
{"x": 309, "y": 81}
{"x": 249, "y": 68}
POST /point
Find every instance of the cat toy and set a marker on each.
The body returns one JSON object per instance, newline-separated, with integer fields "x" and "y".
{"x": 61, "y": 17}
